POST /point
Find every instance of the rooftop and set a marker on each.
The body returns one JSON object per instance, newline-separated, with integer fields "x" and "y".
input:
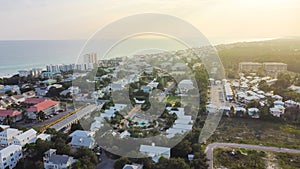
{"x": 59, "y": 159}
{"x": 42, "y": 106}
{"x": 11, "y": 113}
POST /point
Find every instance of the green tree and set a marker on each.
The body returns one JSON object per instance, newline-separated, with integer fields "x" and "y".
{"x": 172, "y": 163}
{"x": 119, "y": 164}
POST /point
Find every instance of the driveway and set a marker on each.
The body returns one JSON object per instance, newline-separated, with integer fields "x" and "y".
{"x": 106, "y": 163}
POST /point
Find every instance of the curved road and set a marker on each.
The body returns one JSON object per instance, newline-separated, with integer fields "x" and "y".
{"x": 210, "y": 148}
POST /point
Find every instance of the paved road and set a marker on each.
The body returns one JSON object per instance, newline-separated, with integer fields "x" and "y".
{"x": 213, "y": 119}
{"x": 209, "y": 149}
{"x": 106, "y": 163}
{"x": 40, "y": 124}
{"x": 74, "y": 117}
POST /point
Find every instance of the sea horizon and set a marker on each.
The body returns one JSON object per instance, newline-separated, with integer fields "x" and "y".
{"x": 28, "y": 54}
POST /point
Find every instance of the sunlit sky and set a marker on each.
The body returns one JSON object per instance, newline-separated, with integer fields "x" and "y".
{"x": 79, "y": 19}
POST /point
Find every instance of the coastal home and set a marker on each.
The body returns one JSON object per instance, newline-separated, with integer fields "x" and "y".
{"x": 116, "y": 86}
{"x": 24, "y": 73}
{"x": 7, "y": 136}
{"x": 41, "y": 91}
{"x": 10, "y": 156}
{"x": 275, "y": 111}
{"x": 295, "y": 88}
{"x": 290, "y": 103}
{"x": 181, "y": 126}
{"x": 228, "y": 92}
{"x": 27, "y": 137}
{"x": 146, "y": 89}
{"x": 18, "y": 98}
{"x": 185, "y": 85}
{"x": 125, "y": 134}
{"x": 225, "y": 109}
{"x": 153, "y": 84}
{"x": 211, "y": 108}
{"x": 4, "y": 127}
{"x": 12, "y": 88}
{"x": 81, "y": 138}
{"x": 3, "y": 95}
{"x": 253, "y": 112}
{"x": 44, "y": 137}
{"x": 14, "y": 114}
{"x": 29, "y": 94}
{"x": 179, "y": 67}
{"x": 47, "y": 106}
{"x": 133, "y": 166}
{"x": 54, "y": 161}
{"x": 6, "y": 102}
{"x": 240, "y": 111}
{"x": 155, "y": 152}
{"x": 278, "y": 103}
{"x": 277, "y": 97}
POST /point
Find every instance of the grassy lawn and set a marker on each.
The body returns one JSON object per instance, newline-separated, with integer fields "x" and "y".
{"x": 255, "y": 131}
{"x": 173, "y": 99}
{"x": 239, "y": 158}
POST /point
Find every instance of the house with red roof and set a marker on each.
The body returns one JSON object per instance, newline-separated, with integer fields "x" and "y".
{"x": 47, "y": 106}
{"x": 16, "y": 115}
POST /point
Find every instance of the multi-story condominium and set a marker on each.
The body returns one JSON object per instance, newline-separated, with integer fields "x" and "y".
{"x": 110, "y": 63}
{"x": 28, "y": 136}
{"x": 90, "y": 58}
{"x": 274, "y": 67}
{"x": 24, "y": 73}
{"x": 7, "y": 136}
{"x": 10, "y": 156}
{"x": 250, "y": 66}
{"x": 47, "y": 106}
{"x": 36, "y": 72}
{"x": 55, "y": 69}
{"x": 268, "y": 67}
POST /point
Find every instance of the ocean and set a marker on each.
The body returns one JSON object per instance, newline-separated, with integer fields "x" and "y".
{"x": 24, "y": 55}
{"x": 28, "y": 54}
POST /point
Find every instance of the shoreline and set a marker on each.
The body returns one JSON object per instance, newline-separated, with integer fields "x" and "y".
{"x": 214, "y": 41}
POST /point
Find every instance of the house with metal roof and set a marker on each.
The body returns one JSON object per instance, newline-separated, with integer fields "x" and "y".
{"x": 54, "y": 161}
{"x": 155, "y": 152}
{"x": 133, "y": 166}
{"x": 81, "y": 138}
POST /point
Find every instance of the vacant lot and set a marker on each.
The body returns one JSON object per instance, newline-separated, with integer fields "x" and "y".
{"x": 245, "y": 158}
{"x": 256, "y": 131}
{"x": 239, "y": 158}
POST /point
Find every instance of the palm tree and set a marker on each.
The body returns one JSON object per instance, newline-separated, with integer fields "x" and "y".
{"x": 41, "y": 115}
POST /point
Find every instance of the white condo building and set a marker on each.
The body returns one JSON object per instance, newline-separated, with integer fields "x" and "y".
{"x": 7, "y": 136}
{"x": 10, "y": 156}
{"x": 28, "y": 136}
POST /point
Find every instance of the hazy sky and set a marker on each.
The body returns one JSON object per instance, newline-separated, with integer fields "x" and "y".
{"x": 79, "y": 19}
